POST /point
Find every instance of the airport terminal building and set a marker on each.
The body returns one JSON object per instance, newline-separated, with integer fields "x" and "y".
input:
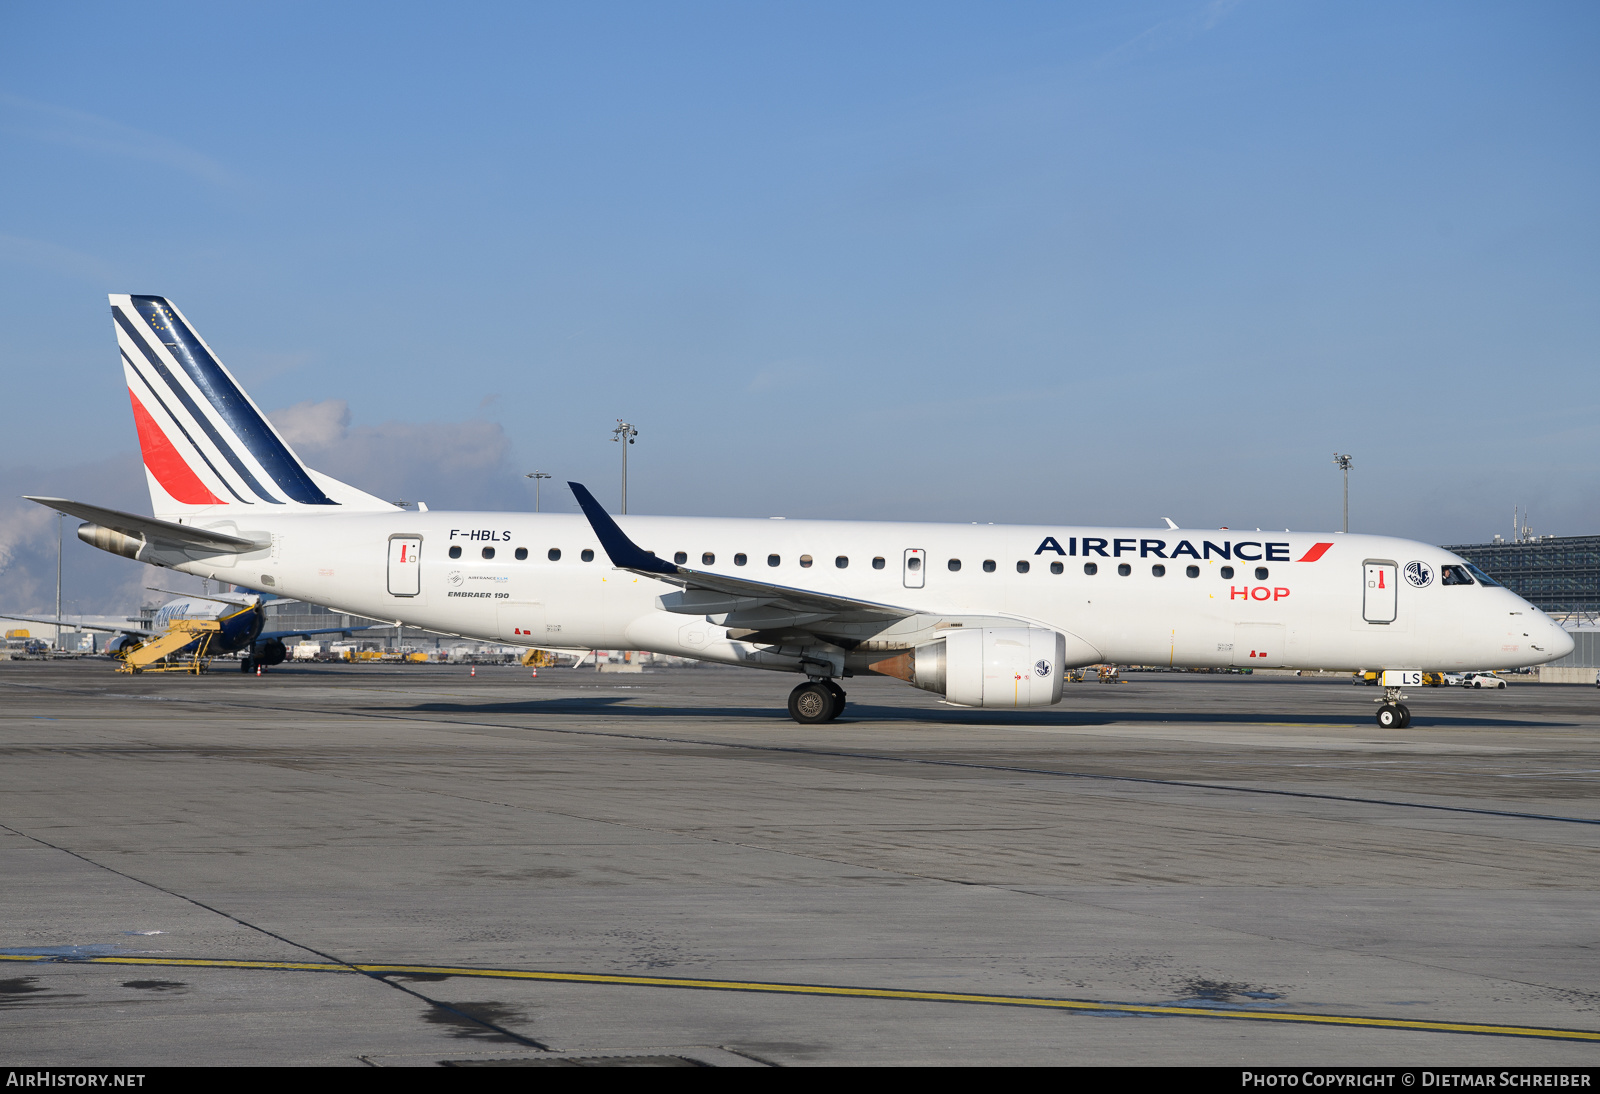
{"x": 1559, "y": 574}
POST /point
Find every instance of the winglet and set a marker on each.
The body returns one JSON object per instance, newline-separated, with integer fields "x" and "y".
{"x": 623, "y": 552}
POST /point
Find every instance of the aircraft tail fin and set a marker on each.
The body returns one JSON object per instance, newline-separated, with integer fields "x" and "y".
{"x": 208, "y": 450}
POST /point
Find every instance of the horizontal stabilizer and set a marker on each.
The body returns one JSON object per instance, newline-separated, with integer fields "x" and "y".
{"x": 160, "y": 532}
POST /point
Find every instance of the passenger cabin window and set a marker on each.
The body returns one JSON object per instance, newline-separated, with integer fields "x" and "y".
{"x": 488, "y": 552}
{"x": 587, "y": 556}
{"x": 554, "y": 554}
{"x": 740, "y": 559}
{"x": 1261, "y": 573}
{"x": 913, "y": 563}
{"x": 680, "y": 557}
{"x": 1191, "y": 571}
{"x": 1158, "y": 570}
{"x": 1226, "y": 573}
{"x": 1454, "y": 575}
{"x": 805, "y": 562}
{"x": 1124, "y": 569}
{"x": 988, "y": 565}
{"x": 954, "y": 564}
{"x": 708, "y": 559}
{"x": 1022, "y": 566}
{"x": 1090, "y": 568}
{"x": 1056, "y": 567}
{"x": 772, "y": 560}
{"x": 841, "y": 562}
{"x": 877, "y": 563}
{"x": 455, "y": 552}
{"x": 522, "y": 554}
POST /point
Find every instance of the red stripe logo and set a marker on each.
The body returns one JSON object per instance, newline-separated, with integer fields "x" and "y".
{"x": 165, "y": 463}
{"x": 1316, "y": 552}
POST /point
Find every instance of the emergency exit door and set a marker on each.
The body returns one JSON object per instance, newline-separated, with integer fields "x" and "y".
{"x": 915, "y": 567}
{"x": 1378, "y": 602}
{"x": 405, "y": 565}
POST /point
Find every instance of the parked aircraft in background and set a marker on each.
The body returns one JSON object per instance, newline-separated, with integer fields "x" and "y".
{"x": 240, "y": 627}
{"x": 983, "y": 615}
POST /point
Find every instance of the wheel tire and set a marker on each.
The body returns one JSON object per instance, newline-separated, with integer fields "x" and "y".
{"x": 1388, "y": 717}
{"x": 811, "y": 703}
{"x": 839, "y": 698}
{"x": 1405, "y": 715}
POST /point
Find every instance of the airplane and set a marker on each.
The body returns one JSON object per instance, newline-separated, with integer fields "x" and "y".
{"x": 987, "y": 616}
{"x": 241, "y": 627}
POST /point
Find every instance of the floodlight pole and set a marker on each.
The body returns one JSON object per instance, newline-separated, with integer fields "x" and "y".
{"x": 59, "y": 518}
{"x": 538, "y": 478}
{"x": 1342, "y": 462}
{"x": 624, "y": 432}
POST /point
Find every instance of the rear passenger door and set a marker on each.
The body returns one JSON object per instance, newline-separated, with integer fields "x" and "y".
{"x": 405, "y": 565}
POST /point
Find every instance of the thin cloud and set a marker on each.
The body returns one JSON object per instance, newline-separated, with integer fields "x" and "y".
{"x": 75, "y": 129}
{"x": 40, "y": 255}
{"x": 1170, "y": 32}
{"x": 450, "y": 464}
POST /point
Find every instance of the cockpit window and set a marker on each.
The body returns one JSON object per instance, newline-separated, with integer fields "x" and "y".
{"x": 1483, "y": 578}
{"x": 1454, "y": 575}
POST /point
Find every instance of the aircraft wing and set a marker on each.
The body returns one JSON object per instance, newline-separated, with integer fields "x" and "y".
{"x": 745, "y": 604}
{"x": 67, "y": 624}
{"x": 346, "y": 631}
{"x": 158, "y": 532}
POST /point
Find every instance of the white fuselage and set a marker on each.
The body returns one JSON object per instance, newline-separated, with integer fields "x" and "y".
{"x": 1285, "y": 604}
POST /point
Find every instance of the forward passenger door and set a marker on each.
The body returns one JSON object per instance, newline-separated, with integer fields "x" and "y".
{"x": 1378, "y": 603}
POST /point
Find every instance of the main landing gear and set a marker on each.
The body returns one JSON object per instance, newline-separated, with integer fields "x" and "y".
{"x": 816, "y": 701}
{"x": 1393, "y": 714}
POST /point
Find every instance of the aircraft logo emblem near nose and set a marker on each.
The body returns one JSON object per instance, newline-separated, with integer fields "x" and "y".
{"x": 455, "y": 577}
{"x": 1420, "y": 574}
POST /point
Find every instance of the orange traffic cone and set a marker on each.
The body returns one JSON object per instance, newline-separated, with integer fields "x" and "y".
{"x": 258, "y": 670}
{"x": 474, "y": 670}
{"x": 536, "y": 674}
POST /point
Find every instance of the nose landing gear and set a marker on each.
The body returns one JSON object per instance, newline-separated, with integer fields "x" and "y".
{"x": 816, "y": 701}
{"x": 1393, "y": 714}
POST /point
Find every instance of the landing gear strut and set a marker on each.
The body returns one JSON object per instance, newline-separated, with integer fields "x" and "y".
{"x": 1393, "y": 714}
{"x": 816, "y": 701}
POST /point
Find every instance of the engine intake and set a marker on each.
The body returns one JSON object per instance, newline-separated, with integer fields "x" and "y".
{"x": 987, "y": 667}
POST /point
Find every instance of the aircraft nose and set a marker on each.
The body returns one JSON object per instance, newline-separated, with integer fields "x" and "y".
{"x": 1561, "y": 643}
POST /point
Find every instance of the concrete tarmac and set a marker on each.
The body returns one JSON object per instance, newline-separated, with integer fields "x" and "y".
{"x": 1250, "y": 846}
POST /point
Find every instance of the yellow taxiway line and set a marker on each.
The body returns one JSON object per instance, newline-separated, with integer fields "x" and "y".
{"x": 836, "y": 990}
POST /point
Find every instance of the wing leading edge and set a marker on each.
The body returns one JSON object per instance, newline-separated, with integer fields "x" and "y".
{"x": 755, "y": 607}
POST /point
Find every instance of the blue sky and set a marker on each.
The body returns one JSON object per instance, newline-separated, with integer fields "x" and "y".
{"x": 1098, "y": 263}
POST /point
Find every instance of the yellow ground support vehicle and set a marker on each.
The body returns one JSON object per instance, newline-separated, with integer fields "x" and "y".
{"x": 151, "y": 656}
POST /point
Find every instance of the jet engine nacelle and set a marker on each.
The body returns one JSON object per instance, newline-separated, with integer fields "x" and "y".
{"x": 270, "y": 652}
{"x": 993, "y": 666}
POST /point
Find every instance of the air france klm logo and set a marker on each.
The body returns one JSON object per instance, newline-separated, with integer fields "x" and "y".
{"x": 1244, "y": 550}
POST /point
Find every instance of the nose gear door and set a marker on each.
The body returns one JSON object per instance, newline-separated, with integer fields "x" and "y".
{"x": 1378, "y": 601}
{"x": 915, "y": 567}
